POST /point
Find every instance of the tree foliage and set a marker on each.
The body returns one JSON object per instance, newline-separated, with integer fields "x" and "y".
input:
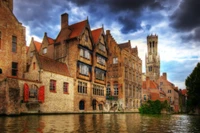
{"x": 153, "y": 107}
{"x": 193, "y": 88}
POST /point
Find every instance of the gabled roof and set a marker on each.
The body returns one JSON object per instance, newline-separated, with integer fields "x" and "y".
{"x": 53, "y": 66}
{"x": 50, "y": 40}
{"x": 149, "y": 84}
{"x": 77, "y": 28}
{"x": 37, "y": 45}
{"x": 96, "y": 34}
{"x": 72, "y": 31}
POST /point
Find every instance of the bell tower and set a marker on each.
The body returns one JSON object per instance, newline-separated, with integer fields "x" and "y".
{"x": 152, "y": 58}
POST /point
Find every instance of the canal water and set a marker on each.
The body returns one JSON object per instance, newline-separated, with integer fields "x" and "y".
{"x": 100, "y": 123}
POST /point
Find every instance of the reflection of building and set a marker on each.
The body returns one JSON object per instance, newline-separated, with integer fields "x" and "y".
{"x": 124, "y": 74}
{"x": 152, "y": 58}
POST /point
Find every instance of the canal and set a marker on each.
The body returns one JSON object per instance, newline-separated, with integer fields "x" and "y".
{"x": 100, "y": 123}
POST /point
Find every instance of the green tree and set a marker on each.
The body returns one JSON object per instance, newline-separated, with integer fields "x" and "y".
{"x": 193, "y": 89}
{"x": 153, "y": 107}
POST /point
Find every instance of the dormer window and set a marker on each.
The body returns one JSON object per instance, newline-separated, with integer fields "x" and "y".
{"x": 44, "y": 51}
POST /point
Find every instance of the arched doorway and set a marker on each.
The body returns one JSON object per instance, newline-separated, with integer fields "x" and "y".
{"x": 81, "y": 105}
{"x": 94, "y": 101}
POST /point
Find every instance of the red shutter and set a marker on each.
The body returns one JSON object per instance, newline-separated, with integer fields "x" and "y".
{"x": 26, "y": 92}
{"x": 41, "y": 94}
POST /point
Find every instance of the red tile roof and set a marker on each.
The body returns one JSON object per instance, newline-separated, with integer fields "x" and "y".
{"x": 53, "y": 66}
{"x": 50, "y": 40}
{"x": 37, "y": 45}
{"x": 96, "y": 34}
{"x": 184, "y": 92}
{"x": 77, "y": 28}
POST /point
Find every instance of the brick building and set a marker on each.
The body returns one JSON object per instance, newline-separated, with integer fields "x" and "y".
{"x": 124, "y": 74}
{"x": 151, "y": 91}
{"x": 12, "y": 58}
{"x": 170, "y": 90}
{"x": 12, "y": 42}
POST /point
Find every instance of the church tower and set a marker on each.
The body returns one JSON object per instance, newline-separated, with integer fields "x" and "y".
{"x": 152, "y": 58}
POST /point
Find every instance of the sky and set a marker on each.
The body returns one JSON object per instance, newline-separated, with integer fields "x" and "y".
{"x": 176, "y": 22}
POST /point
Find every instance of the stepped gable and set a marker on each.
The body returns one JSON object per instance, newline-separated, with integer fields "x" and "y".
{"x": 96, "y": 34}
{"x": 53, "y": 66}
{"x": 124, "y": 45}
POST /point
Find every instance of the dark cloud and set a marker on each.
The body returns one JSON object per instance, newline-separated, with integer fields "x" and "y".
{"x": 127, "y": 13}
{"x": 187, "y": 16}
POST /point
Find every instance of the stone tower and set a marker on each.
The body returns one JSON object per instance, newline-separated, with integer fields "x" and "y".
{"x": 152, "y": 58}
{"x": 8, "y": 3}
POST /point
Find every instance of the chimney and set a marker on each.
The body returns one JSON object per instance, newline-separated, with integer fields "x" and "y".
{"x": 64, "y": 20}
{"x": 165, "y": 76}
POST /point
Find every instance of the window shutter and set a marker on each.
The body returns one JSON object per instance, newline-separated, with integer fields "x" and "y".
{"x": 26, "y": 92}
{"x": 41, "y": 94}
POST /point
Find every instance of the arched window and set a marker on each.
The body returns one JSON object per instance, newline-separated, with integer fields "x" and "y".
{"x": 81, "y": 105}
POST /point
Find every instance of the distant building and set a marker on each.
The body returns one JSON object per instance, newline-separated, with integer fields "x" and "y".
{"x": 170, "y": 90}
{"x": 151, "y": 91}
{"x": 152, "y": 58}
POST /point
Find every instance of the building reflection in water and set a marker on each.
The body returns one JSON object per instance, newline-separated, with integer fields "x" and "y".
{"x": 106, "y": 123}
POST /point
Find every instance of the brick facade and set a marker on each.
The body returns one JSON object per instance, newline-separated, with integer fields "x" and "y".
{"x": 125, "y": 69}
{"x": 12, "y": 42}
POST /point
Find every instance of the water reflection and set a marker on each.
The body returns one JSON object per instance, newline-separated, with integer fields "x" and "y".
{"x": 106, "y": 123}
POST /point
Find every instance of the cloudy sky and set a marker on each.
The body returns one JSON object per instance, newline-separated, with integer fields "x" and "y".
{"x": 176, "y": 22}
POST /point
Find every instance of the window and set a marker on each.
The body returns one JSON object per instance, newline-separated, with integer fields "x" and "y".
{"x": 150, "y": 68}
{"x": 115, "y": 60}
{"x": 14, "y": 44}
{"x": 14, "y": 68}
{"x": 98, "y": 90}
{"x": 101, "y": 60}
{"x": 85, "y": 53}
{"x": 31, "y": 53}
{"x": 44, "y": 51}
{"x": 100, "y": 74}
{"x": 108, "y": 92}
{"x": 65, "y": 88}
{"x": 102, "y": 47}
{"x": 169, "y": 91}
{"x": 115, "y": 89}
{"x": 0, "y": 40}
{"x": 84, "y": 69}
{"x": 52, "y": 85}
{"x": 34, "y": 66}
{"x": 82, "y": 87}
